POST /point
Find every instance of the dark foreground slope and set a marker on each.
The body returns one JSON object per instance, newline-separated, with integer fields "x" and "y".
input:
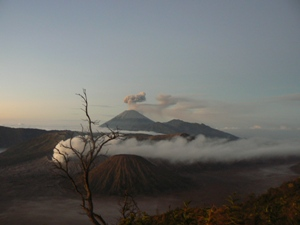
{"x": 13, "y": 136}
{"x": 135, "y": 175}
{"x": 33, "y": 148}
{"x": 278, "y": 206}
{"x": 26, "y": 170}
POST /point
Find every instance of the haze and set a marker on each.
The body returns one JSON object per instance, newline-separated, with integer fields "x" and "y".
{"x": 233, "y": 65}
{"x": 199, "y": 150}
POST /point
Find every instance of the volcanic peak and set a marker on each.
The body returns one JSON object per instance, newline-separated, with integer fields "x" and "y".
{"x": 133, "y": 174}
{"x": 129, "y": 120}
{"x": 132, "y": 114}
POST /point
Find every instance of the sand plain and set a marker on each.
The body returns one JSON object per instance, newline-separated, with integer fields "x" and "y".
{"x": 31, "y": 193}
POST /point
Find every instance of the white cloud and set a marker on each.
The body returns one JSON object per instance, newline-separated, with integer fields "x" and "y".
{"x": 203, "y": 149}
{"x": 283, "y": 127}
{"x": 199, "y": 150}
{"x": 256, "y": 127}
{"x": 230, "y": 128}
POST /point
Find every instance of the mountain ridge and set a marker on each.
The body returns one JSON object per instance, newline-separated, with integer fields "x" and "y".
{"x": 132, "y": 120}
{"x": 12, "y": 136}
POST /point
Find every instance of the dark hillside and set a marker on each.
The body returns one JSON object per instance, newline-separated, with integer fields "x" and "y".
{"x": 278, "y": 206}
{"x": 13, "y": 136}
{"x": 296, "y": 168}
{"x": 163, "y": 128}
{"x": 197, "y": 129}
{"x": 34, "y": 148}
{"x": 133, "y": 174}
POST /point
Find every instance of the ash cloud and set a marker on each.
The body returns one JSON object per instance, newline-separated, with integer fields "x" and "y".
{"x": 172, "y": 107}
{"x": 132, "y": 99}
{"x": 199, "y": 150}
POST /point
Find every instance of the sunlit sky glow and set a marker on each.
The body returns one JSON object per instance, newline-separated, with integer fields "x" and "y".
{"x": 233, "y": 65}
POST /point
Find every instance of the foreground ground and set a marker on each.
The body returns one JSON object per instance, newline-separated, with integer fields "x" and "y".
{"x": 32, "y": 194}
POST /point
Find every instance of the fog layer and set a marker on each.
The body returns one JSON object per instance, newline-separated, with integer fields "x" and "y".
{"x": 200, "y": 150}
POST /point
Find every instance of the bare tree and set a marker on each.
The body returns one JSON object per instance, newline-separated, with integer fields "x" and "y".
{"x": 128, "y": 207}
{"x": 85, "y": 159}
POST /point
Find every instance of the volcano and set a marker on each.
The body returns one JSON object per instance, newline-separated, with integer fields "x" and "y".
{"x": 129, "y": 120}
{"x": 135, "y": 175}
{"x": 132, "y": 120}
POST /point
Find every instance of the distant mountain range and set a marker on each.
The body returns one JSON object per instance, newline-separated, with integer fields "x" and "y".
{"x": 129, "y": 120}
{"x": 132, "y": 120}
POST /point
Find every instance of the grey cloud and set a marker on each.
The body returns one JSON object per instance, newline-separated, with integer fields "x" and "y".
{"x": 172, "y": 106}
{"x": 291, "y": 97}
{"x": 132, "y": 99}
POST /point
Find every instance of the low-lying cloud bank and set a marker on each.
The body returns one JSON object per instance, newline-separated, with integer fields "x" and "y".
{"x": 203, "y": 149}
{"x": 199, "y": 150}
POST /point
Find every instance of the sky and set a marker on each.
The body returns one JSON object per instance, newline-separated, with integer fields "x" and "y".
{"x": 232, "y": 65}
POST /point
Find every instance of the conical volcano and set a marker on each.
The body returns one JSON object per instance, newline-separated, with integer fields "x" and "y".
{"x": 129, "y": 120}
{"x": 133, "y": 174}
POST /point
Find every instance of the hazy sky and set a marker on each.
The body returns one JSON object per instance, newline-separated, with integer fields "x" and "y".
{"x": 233, "y": 65}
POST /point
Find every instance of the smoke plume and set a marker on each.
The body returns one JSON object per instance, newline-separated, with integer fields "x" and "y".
{"x": 169, "y": 106}
{"x": 77, "y": 144}
{"x": 132, "y": 99}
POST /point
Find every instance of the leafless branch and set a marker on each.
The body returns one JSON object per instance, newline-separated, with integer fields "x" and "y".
{"x": 85, "y": 159}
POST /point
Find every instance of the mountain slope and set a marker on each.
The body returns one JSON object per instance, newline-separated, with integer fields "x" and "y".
{"x": 279, "y": 206}
{"x": 134, "y": 174}
{"x": 197, "y": 129}
{"x": 34, "y": 148}
{"x": 13, "y": 136}
{"x": 129, "y": 120}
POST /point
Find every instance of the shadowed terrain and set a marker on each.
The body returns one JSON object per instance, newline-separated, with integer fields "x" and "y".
{"x": 33, "y": 148}
{"x": 31, "y": 193}
{"x": 13, "y": 136}
{"x": 134, "y": 175}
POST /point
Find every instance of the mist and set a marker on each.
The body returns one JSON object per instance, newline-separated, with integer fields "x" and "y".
{"x": 201, "y": 149}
